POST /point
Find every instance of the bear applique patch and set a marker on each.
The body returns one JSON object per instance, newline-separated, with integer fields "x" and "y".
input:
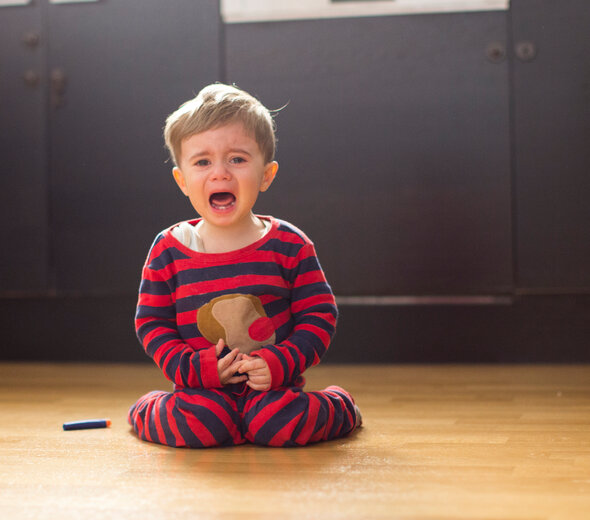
{"x": 239, "y": 319}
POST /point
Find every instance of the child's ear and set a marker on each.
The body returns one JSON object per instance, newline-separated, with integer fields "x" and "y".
{"x": 270, "y": 171}
{"x": 179, "y": 178}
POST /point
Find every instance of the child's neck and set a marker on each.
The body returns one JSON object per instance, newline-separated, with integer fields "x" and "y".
{"x": 219, "y": 239}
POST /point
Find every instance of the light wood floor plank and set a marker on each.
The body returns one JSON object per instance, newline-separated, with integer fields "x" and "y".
{"x": 439, "y": 442}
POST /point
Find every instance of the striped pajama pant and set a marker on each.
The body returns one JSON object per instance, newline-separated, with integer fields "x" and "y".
{"x": 199, "y": 418}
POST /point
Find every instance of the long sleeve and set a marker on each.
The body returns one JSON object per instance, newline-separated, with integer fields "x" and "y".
{"x": 156, "y": 325}
{"x": 270, "y": 299}
{"x": 314, "y": 313}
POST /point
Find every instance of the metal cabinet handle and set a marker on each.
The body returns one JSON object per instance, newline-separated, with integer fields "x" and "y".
{"x": 525, "y": 51}
{"x": 31, "y": 39}
{"x": 496, "y": 52}
{"x": 31, "y": 78}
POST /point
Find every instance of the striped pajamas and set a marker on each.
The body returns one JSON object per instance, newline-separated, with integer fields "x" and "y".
{"x": 271, "y": 300}
{"x": 202, "y": 418}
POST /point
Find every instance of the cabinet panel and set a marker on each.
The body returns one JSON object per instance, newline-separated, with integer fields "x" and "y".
{"x": 23, "y": 186}
{"x": 552, "y": 143}
{"x": 394, "y": 147}
{"x": 124, "y": 67}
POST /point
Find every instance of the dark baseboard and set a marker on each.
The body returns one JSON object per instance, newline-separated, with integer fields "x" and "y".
{"x": 531, "y": 329}
{"x": 535, "y": 329}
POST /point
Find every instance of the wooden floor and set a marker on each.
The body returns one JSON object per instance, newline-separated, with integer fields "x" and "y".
{"x": 445, "y": 442}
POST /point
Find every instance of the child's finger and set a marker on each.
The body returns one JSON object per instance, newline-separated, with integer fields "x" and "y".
{"x": 228, "y": 360}
{"x": 251, "y": 364}
{"x": 230, "y": 375}
{"x": 219, "y": 347}
{"x": 231, "y": 370}
{"x": 237, "y": 379}
{"x": 258, "y": 386}
{"x": 258, "y": 376}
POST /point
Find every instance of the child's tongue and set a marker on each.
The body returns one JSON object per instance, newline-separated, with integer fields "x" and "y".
{"x": 222, "y": 199}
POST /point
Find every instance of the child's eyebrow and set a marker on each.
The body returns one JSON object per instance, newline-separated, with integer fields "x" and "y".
{"x": 202, "y": 153}
{"x": 240, "y": 151}
{"x": 199, "y": 153}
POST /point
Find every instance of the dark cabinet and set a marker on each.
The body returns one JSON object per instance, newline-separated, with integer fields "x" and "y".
{"x": 394, "y": 146}
{"x": 552, "y": 144}
{"x": 426, "y": 155}
{"x": 429, "y": 154}
{"x": 86, "y": 185}
{"x": 24, "y": 255}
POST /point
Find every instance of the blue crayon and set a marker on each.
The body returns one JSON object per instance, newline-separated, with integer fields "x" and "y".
{"x": 86, "y": 425}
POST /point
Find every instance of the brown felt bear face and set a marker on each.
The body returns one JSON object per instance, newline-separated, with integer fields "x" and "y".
{"x": 239, "y": 319}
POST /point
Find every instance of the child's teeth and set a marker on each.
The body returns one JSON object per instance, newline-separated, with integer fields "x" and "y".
{"x": 224, "y": 207}
{"x": 222, "y": 201}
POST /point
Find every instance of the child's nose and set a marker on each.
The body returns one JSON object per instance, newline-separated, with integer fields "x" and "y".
{"x": 220, "y": 172}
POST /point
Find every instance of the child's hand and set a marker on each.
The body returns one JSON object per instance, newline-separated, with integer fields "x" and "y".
{"x": 258, "y": 372}
{"x": 229, "y": 365}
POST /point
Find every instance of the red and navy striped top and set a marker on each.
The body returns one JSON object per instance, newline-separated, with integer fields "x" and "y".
{"x": 270, "y": 298}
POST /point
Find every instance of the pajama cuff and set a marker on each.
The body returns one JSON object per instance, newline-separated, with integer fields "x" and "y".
{"x": 277, "y": 374}
{"x": 209, "y": 372}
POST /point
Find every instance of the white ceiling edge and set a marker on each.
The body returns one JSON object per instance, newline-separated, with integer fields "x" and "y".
{"x": 243, "y": 11}
{"x": 10, "y": 3}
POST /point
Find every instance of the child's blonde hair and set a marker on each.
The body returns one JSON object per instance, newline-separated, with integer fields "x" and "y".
{"x": 217, "y": 105}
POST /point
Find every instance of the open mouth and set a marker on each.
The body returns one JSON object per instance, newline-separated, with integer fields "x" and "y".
{"x": 222, "y": 200}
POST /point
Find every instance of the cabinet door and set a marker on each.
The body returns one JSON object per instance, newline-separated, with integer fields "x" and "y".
{"x": 552, "y": 135}
{"x": 23, "y": 189}
{"x": 394, "y": 147}
{"x": 119, "y": 68}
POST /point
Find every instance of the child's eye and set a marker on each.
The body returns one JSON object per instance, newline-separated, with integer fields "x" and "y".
{"x": 237, "y": 160}
{"x": 202, "y": 162}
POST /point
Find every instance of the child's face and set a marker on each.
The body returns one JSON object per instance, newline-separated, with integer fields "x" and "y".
{"x": 222, "y": 171}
